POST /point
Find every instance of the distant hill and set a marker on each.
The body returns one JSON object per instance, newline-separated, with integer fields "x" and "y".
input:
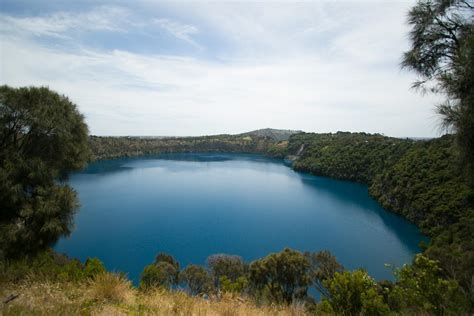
{"x": 274, "y": 134}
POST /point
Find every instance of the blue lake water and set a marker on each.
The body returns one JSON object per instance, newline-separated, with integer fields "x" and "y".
{"x": 195, "y": 205}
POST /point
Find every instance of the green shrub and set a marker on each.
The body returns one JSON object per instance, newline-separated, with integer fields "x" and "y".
{"x": 354, "y": 293}
{"x": 197, "y": 279}
{"x": 238, "y": 286}
{"x": 92, "y": 267}
{"x": 161, "y": 274}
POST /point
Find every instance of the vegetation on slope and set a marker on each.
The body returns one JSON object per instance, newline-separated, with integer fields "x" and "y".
{"x": 426, "y": 185}
{"x": 116, "y": 147}
{"x": 420, "y": 180}
{"x": 275, "y": 285}
{"x": 274, "y": 134}
{"x": 349, "y": 156}
{"x": 442, "y": 56}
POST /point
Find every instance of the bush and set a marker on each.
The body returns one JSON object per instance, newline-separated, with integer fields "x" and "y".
{"x": 46, "y": 265}
{"x": 92, "y": 267}
{"x": 110, "y": 287}
{"x": 281, "y": 276}
{"x": 421, "y": 288}
{"x": 354, "y": 293}
{"x": 239, "y": 286}
{"x": 230, "y": 266}
{"x": 197, "y": 279}
{"x": 160, "y": 274}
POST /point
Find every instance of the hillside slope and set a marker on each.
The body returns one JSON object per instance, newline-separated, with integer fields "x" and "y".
{"x": 421, "y": 180}
{"x": 116, "y": 147}
{"x": 271, "y": 133}
{"x": 119, "y": 298}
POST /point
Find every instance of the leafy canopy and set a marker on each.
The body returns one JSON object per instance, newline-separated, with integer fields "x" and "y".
{"x": 283, "y": 275}
{"x": 42, "y": 138}
{"x": 442, "y": 54}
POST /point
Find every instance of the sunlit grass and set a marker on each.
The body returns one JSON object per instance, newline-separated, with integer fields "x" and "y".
{"x": 112, "y": 294}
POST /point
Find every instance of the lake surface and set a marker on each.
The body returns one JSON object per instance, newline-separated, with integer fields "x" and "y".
{"x": 195, "y": 205}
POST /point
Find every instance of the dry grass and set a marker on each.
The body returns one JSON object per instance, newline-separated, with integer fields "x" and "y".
{"x": 111, "y": 288}
{"x": 111, "y": 294}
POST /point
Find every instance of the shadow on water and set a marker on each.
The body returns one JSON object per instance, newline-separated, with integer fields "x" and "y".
{"x": 351, "y": 192}
{"x": 196, "y": 204}
{"x": 107, "y": 166}
{"x": 127, "y": 164}
{"x": 342, "y": 190}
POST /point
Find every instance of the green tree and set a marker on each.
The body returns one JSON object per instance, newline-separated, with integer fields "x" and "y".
{"x": 238, "y": 286}
{"x": 421, "y": 289}
{"x": 197, "y": 279}
{"x": 164, "y": 257}
{"x": 284, "y": 275}
{"x": 323, "y": 266}
{"x": 442, "y": 54}
{"x": 226, "y": 265}
{"x": 42, "y": 139}
{"x": 161, "y": 274}
{"x": 354, "y": 293}
{"x": 92, "y": 267}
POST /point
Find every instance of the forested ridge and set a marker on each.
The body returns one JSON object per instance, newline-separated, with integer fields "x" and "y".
{"x": 116, "y": 147}
{"x": 423, "y": 181}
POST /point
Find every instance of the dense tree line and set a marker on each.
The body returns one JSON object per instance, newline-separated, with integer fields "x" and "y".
{"x": 279, "y": 278}
{"x": 286, "y": 277}
{"x": 422, "y": 180}
{"x": 349, "y": 156}
{"x": 116, "y": 147}
{"x": 263, "y": 141}
{"x": 442, "y": 55}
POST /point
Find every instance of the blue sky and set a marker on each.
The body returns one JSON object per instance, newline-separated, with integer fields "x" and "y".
{"x": 200, "y": 68}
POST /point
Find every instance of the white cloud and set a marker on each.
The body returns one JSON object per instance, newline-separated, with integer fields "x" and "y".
{"x": 58, "y": 24}
{"x": 181, "y": 31}
{"x": 321, "y": 67}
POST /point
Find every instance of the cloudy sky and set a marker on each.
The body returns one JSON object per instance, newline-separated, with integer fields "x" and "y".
{"x": 195, "y": 68}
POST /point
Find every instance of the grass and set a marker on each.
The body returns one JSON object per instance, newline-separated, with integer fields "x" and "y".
{"x": 112, "y": 294}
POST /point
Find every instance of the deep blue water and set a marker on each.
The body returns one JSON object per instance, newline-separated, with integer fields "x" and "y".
{"x": 195, "y": 205}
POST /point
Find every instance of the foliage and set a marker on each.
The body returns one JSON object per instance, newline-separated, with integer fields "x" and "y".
{"x": 454, "y": 249}
{"x": 284, "y": 275}
{"x": 442, "y": 54}
{"x": 92, "y": 267}
{"x": 117, "y": 147}
{"x": 164, "y": 257}
{"x": 279, "y": 278}
{"x": 426, "y": 185}
{"x": 161, "y": 274}
{"x": 49, "y": 265}
{"x": 42, "y": 138}
{"x": 238, "y": 286}
{"x": 421, "y": 288}
{"x": 271, "y": 133}
{"x": 110, "y": 287}
{"x": 197, "y": 279}
{"x": 47, "y": 298}
{"x": 278, "y": 150}
{"x": 421, "y": 180}
{"x": 354, "y": 293}
{"x": 229, "y": 266}
{"x": 349, "y": 156}
{"x": 323, "y": 266}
